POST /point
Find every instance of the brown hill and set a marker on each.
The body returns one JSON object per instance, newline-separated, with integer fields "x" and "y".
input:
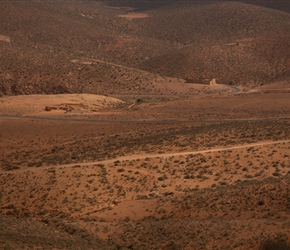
{"x": 233, "y": 42}
{"x": 162, "y": 164}
{"x": 141, "y": 5}
{"x": 56, "y": 47}
{"x": 51, "y": 44}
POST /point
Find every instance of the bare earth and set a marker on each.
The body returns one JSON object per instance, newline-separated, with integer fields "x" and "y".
{"x": 35, "y": 104}
{"x": 5, "y": 39}
{"x": 142, "y": 164}
{"x": 138, "y": 125}
{"x": 135, "y": 15}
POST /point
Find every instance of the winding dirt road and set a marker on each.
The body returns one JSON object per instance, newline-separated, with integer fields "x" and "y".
{"x": 150, "y": 156}
{"x": 166, "y": 155}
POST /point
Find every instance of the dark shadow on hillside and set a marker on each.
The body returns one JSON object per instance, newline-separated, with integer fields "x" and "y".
{"x": 142, "y": 5}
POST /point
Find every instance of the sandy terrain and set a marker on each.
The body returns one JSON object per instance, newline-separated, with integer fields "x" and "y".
{"x": 35, "y": 104}
{"x": 5, "y": 39}
{"x": 150, "y": 161}
{"x": 145, "y": 126}
{"x": 165, "y": 156}
{"x": 135, "y": 15}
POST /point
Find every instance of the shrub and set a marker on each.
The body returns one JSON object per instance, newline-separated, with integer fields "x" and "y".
{"x": 260, "y": 202}
{"x": 275, "y": 245}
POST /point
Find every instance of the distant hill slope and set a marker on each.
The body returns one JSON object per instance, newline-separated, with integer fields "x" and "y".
{"x": 141, "y": 5}
{"x": 47, "y": 46}
{"x": 45, "y": 37}
{"x": 206, "y": 24}
{"x": 233, "y": 42}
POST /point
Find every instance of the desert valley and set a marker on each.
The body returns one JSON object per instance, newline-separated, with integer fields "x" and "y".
{"x": 145, "y": 125}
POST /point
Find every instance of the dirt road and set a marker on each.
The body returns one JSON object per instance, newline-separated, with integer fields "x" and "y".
{"x": 150, "y": 156}
{"x": 166, "y": 155}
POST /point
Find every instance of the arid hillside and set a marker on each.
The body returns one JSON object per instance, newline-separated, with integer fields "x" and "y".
{"x": 69, "y": 47}
{"x": 141, "y": 5}
{"x": 53, "y": 47}
{"x": 145, "y": 125}
{"x": 209, "y": 171}
{"x": 234, "y": 42}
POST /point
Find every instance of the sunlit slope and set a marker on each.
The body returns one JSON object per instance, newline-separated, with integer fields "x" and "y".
{"x": 47, "y": 47}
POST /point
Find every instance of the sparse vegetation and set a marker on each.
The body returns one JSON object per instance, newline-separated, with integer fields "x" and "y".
{"x": 159, "y": 162}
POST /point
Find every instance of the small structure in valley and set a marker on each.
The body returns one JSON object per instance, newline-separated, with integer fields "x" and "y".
{"x": 213, "y": 82}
